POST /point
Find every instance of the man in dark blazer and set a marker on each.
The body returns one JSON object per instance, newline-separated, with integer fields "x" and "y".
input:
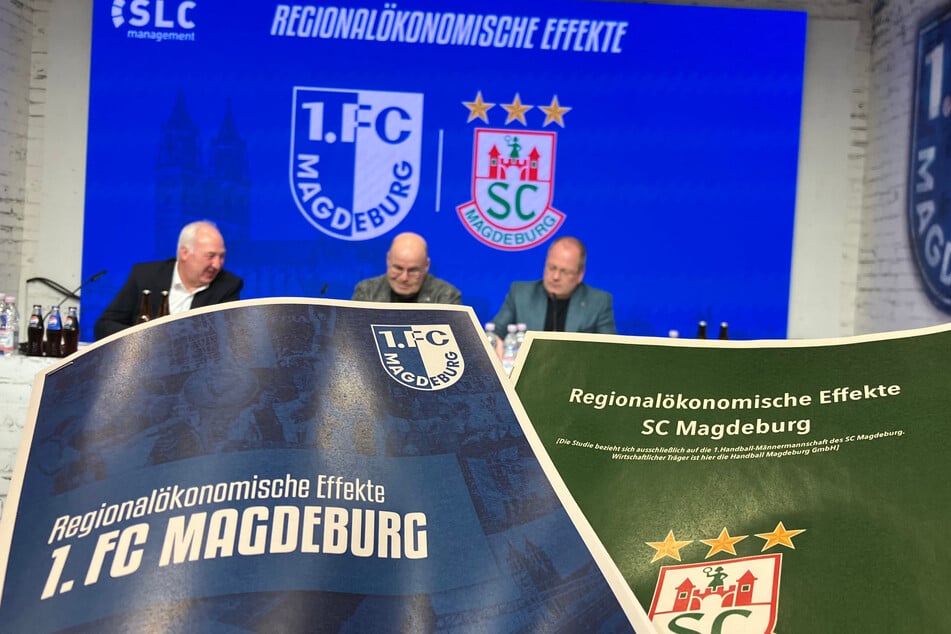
{"x": 194, "y": 279}
{"x": 560, "y": 301}
{"x": 407, "y": 277}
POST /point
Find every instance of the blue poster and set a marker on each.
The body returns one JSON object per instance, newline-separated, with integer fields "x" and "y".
{"x": 296, "y": 465}
{"x": 664, "y": 137}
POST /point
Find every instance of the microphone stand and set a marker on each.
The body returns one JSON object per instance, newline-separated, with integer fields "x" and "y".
{"x": 72, "y": 294}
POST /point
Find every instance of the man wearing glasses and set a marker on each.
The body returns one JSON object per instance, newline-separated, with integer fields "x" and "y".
{"x": 559, "y": 301}
{"x": 407, "y": 277}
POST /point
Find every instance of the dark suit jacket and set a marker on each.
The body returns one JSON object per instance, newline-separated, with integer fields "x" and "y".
{"x": 589, "y": 309}
{"x": 123, "y": 311}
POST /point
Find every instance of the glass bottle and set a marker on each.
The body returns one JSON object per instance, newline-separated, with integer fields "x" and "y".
{"x": 723, "y": 330}
{"x": 54, "y": 333}
{"x": 71, "y": 332}
{"x": 163, "y": 307}
{"x": 145, "y": 307}
{"x": 701, "y": 329}
{"x": 34, "y": 332}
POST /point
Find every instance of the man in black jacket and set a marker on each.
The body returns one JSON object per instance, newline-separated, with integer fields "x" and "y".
{"x": 194, "y": 279}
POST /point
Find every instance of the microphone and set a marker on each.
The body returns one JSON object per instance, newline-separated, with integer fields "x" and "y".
{"x": 72, "y": 294}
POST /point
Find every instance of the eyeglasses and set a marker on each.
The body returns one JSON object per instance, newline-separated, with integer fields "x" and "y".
{"x": 413, "y": 271}
{"x": 551, "y": 268}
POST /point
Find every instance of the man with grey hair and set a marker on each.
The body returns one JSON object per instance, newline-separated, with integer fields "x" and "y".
{"x": 193, "y": 279}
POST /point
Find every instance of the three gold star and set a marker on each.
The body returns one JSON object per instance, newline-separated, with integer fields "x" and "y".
{"x": 479, "y": 109}
{"x": 724, "y": 542}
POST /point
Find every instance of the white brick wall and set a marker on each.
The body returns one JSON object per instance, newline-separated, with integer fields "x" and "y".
{"x": 16, "y": 37}
{"x": 16, "y": 379}
{"x": 890, "y": 294}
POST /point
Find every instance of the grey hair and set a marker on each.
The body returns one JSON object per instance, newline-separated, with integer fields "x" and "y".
{"x": 186, "y": 239}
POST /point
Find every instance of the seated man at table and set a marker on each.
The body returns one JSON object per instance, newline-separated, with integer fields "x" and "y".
{"x": 560, "y": 301}
{"x": 194, "y": 279}
{"x": 407, "y": 277}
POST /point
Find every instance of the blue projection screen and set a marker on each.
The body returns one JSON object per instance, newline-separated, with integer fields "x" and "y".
{"x": 665, "y": 137}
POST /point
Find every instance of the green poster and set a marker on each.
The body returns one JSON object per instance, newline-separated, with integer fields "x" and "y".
{"x": 759, "y": 486}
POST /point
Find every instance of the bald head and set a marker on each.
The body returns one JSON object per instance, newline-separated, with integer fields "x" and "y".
{"x": 407, "y": 263}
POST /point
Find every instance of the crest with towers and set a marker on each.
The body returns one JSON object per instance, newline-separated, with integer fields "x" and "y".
{"x": 513, "y": 179}
{"x": 732, "y": 595}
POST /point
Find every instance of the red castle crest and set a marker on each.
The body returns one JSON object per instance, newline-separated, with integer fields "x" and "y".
{"x": 699, "y": 597}
{"x": 512, "y": 189}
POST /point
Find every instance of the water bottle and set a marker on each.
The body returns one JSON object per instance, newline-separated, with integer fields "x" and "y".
{"x": 520, "y": 334}
{"x": 9, "y": 326}
{"x": 54, "y": 333}
{"x": 510, "y": 349}
{"x": 491, "y": 336}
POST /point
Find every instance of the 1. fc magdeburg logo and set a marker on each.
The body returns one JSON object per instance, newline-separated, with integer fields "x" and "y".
{"x": 513, "y": 177}
{"x": 355, "y": 158}
{"x": 929, "y": 188}
{"x": 421, "y": 357}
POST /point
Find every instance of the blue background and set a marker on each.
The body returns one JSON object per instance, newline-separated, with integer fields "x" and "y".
{"x": 676, "y": 164}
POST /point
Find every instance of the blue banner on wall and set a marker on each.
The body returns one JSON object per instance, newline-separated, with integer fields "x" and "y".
{"x": 664, "y": 137}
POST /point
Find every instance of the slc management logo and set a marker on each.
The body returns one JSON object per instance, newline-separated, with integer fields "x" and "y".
{"x": 166, "y": 17}
{"x": 355, "y": 159}
{"x": 929, "y": 189}
{"x": 513, "y": 178}
{"x": 420, "y": 357}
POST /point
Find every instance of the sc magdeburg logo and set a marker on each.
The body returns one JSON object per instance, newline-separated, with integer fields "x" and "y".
{"x": 355, "y": 159}
{"x": 422, "y": 357}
